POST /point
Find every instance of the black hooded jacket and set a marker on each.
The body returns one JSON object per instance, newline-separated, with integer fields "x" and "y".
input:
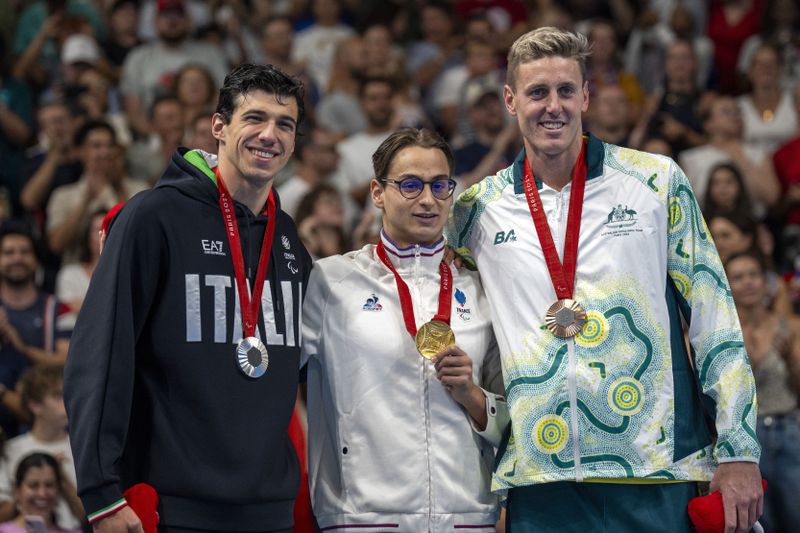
{"x": 153, "y": 389}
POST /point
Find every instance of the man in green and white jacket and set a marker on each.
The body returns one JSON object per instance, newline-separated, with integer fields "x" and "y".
{"x": 621, "y": 404}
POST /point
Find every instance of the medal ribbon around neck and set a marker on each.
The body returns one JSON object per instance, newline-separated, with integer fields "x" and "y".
{"x": 249, "y": 304}
{"x": 562, "y": 276}
{"x": 565, "y": 318}
{"x": 445, "y": 293}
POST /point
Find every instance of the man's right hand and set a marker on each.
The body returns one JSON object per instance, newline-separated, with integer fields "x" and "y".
{"x": 123, "y": 521}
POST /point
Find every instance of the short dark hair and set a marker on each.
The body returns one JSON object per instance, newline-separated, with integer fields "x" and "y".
{"x": 91, "y": 125}
{"x": 23, "y": 229}
{"x": 37, "y": 382}
{"x": 168, "y": 96}
{"x": 752, "y": 253}
{"x": 248, "y": 77}
{"x": 272, "y": 19}
{"x": 743, "y": 222}
{"x": 37, "y": 460}
{"x": 404, "y": 138}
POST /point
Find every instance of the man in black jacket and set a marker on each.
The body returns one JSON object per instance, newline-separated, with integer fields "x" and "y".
{"x": 183, "y": 367}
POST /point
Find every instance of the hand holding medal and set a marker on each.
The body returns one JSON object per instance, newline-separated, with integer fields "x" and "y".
{"x": 436, "y": 334}
{"x": 565, "y": 317}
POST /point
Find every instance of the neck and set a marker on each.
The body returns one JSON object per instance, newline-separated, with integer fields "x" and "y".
{"x": 253, "y": 195}
{"x": 18, "y": 297}
{"x": 611, "y": 134}
{"x": 308, "y": 174}
{"x": 43, "y": 433}
{"x": 373, "y": 129}
{"x": 720, "y": 139}
{"x": 681, "y": 86}
{"x": 762, "y": 93}
{"x": 486, "y": 137}
{"x": 750, "y": 316}
{"x": 400, "y": 243}
{"x": 554, "y": 170}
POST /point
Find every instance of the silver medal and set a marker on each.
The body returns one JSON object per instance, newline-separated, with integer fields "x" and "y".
{"x": 252, "y": 357}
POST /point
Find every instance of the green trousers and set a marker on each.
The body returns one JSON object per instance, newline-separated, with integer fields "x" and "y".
{"x": 600, "y": 507}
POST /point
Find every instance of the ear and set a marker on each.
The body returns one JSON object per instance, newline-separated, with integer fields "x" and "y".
{"x": 376, "y": 192}
{"x": 508, "y": 99}
{"x": 585, "y": 106}
{"x": 35, "y": 408}
{"x": 218, "y": 127}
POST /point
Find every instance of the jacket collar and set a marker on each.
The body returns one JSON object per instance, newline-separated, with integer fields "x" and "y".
{"x": 405, "y": 258}
{"x": 595, "y": 153}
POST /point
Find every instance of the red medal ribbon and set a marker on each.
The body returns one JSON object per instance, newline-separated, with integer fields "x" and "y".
{"x": 445, "y": 293}
{"x": 248, "y": 304}
{"x": 562, "y": 276}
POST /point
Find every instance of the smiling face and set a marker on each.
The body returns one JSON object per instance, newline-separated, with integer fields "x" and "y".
{"x": 547, "y": 99}
{"x": 418, "y": 220}
{"x": 17, "y": 260}
{"x": 259, "y": 140}
{"x": 38, "y": 493}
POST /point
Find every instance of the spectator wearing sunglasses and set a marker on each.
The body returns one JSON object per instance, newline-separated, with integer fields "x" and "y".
{"x": 399, "y": 414}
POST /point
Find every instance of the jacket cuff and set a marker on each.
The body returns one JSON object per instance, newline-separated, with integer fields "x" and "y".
{"x": 101, "y": 502}
{"x": 721, "y": 460}
{"x": 497, "y": 418}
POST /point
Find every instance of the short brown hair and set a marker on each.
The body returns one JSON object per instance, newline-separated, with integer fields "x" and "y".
{"x": 39, "y": 381}
{"x": 404, "y": 138}
{"x": 547, "y": 42}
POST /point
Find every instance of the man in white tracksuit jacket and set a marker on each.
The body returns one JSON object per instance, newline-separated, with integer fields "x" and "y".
{"x": 399, "y": 442}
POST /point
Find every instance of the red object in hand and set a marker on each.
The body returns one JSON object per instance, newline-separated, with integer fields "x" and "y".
{"x": 143, "y": 499}
{"x": 708, "y": 514}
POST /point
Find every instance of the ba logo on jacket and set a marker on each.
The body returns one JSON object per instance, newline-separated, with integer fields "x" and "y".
{"x": 463, "y": 311}
{"x": 502, "y": 237}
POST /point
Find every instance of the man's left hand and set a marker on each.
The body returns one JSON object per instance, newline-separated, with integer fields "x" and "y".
{"x": 742, "y": 495}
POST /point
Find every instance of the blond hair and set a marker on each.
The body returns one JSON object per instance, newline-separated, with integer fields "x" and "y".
{"x": 547, "y": 42}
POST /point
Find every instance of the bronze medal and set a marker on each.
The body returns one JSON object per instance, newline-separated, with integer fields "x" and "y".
{"x": 565, "y": 318}
{"x": 433, "y": 337}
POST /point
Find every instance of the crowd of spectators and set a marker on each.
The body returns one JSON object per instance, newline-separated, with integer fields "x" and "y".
{"x": 95, "y": 96}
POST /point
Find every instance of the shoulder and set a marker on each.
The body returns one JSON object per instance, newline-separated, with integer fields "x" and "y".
{"x": 337, "y": 267}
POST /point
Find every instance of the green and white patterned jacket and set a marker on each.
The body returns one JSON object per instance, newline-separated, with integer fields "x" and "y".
{"x": 623, "y": 399}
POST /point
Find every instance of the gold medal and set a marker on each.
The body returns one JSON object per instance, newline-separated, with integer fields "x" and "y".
{"x": 565, "y": 318}
{"x": 433, "y": 337}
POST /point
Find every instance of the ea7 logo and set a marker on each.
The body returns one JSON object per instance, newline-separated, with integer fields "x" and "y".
{"x": 212, "y": 247}
{"x": 502, "y": 237}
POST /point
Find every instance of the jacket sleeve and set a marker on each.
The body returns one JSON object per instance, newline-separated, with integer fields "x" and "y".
{"x": 720, "y": 361}
{"x": 313, "y": 315}
{"x": 497, "y": 415}
{"x": 462, "y": 223}
{"x": 101, "y": 366}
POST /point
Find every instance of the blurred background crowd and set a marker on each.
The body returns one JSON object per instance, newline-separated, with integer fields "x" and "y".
{"x": 95, "y": 96}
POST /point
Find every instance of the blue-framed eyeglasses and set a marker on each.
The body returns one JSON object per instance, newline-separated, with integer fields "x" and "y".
{"x": 411, "y": 187}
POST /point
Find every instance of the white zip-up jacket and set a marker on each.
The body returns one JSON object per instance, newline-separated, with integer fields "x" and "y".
{"x": 388, "y": 448}
{"x": 623, "y": 399}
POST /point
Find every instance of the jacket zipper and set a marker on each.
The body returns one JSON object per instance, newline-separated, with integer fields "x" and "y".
{"x": 572, "y": 386}
{"x": 425, "y": 385}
